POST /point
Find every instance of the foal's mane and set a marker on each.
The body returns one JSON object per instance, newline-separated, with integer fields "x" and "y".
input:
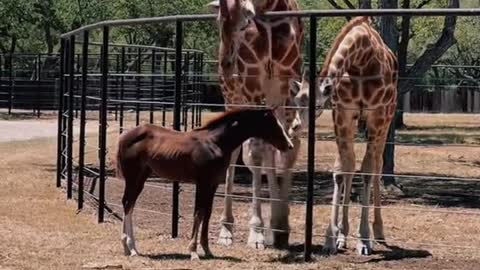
{"x": 225, "y": 118}
{"x": 338, "y": 40}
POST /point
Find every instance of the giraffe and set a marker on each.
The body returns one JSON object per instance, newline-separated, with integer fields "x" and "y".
{"x": 257, "y": 60}
{"x": 359, "y": 77}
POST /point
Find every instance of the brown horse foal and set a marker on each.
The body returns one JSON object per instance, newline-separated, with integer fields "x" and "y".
{"x": 200, "y": 156}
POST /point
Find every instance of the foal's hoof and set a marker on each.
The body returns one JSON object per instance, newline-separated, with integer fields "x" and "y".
{"x": 256, "y": 240}
{"x": 225, "y": 238}
{"x": 194, "y": 256}
{"x": 364, "y": 249}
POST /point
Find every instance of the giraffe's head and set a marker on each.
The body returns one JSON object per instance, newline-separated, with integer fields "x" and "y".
{"x": 301, "y": 99}
{"x": 234, "y": 15}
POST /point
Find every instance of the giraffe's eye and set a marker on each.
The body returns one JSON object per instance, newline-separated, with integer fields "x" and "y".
{"x": 327, "y": 90}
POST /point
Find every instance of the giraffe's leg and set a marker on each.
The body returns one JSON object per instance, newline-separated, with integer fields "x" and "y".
{"x": 253, "y": 155}
{"x": 281, "y": 188}
{"x": 226, "y": 232}
{"x": 344, "y": 226}
{"x": 364, "y": 246}
{"x": 372, "y": 164}
{"x": 382, "y": 134}
{"x": 343, "y": 175}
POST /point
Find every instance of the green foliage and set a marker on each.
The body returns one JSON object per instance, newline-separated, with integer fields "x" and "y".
{"x": 35, "y": 25}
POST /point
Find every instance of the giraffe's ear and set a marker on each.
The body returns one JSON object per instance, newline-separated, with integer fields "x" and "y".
{"x": 295, "y": 87}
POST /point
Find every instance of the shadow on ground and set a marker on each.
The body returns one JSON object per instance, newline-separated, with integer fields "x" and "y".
{"x": 186, "y": 257}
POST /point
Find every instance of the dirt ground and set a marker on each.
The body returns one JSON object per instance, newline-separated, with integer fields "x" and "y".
{"x": 433, "y": 226}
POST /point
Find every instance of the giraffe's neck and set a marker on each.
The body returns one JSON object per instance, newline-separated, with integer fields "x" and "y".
{"x": 336, "y": 68}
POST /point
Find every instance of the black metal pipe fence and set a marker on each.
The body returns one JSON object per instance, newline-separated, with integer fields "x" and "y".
{"x": 101, "y": 96}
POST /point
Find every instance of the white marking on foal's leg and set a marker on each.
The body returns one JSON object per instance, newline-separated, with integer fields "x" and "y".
{"x": 125, "y": 236}
{"x": 129, "y": 241}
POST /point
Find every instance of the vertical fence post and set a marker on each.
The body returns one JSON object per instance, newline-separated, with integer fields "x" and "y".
{"x": 71, "y": 107}
{"x": 103, "y": 125}
{"x": 138, "y": 97}
{"x": 77, "y": 85}
{"x": 38, "y": 69}
{"x": 185, "y": 91}
{"x": 194, "y": 89}
{"x": 81, "y": 159}
{"x": 176, "y": 115}
{"x": 152, "y": 88}
{"x": 311, "y": 139}
{"x": 122, "y": 87}
{"x": 60, "y": 115}
{"x": 165, "y": 70}
{"x": 12, "y": 84}
{"x": 199, "y": 121}
{"x": 64, "y": 108}
{"x": 117, "y": 69}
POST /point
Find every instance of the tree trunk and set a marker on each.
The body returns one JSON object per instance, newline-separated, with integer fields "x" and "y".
{"x": 365, "y": 4}
{"x": 388, "y": 31}
{"x": 48, "y": 38}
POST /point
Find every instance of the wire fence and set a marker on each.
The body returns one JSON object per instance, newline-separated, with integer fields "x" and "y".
{"x": 165, "y": 86}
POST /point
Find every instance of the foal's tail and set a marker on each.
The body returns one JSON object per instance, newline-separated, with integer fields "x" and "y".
{"x": 120, "y": 149}
{"x": 125, "y": 141}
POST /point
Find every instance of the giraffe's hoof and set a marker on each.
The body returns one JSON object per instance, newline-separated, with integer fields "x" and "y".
{"x": 364, "y": 248}
{"x": 226, "y": 237}
{"x": 194, "y": 256}
{"x": 256, "y": 240}
{"x": 341, "y": 243}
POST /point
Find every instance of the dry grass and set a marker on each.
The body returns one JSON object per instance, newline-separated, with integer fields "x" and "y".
{"x": 41, "y": 230}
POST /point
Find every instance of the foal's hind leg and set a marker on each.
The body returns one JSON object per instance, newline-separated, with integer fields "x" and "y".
{"x": 133, "y": 187}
